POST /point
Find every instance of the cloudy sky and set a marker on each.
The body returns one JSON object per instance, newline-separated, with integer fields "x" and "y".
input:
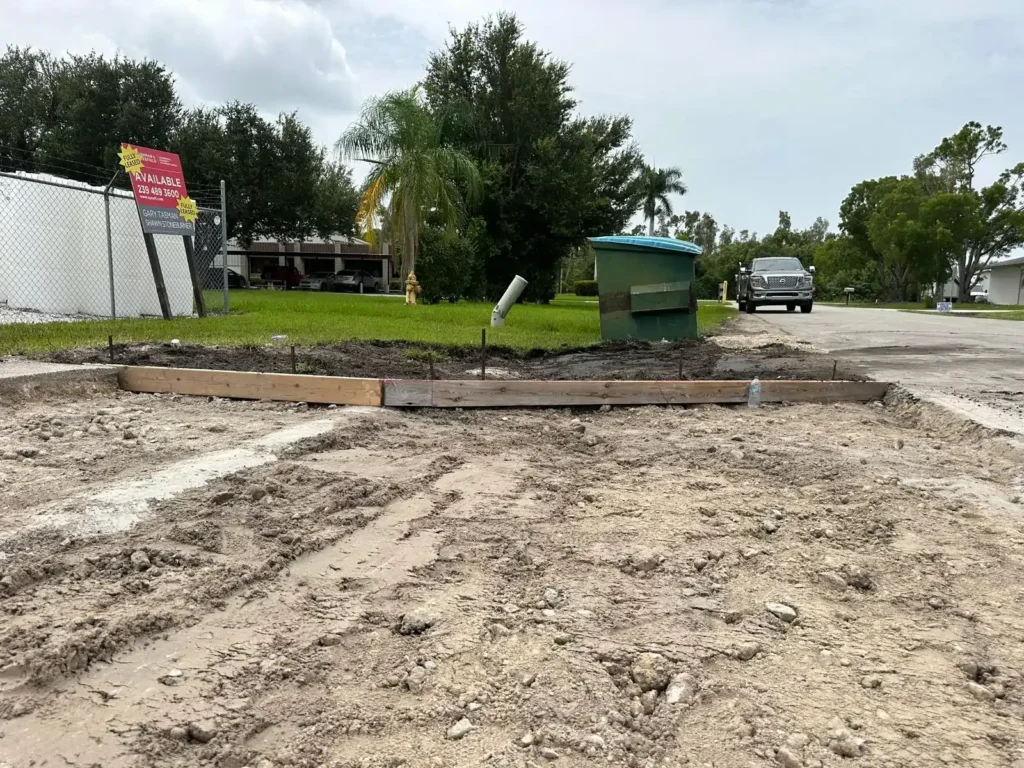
{"x": 764, "y": 104}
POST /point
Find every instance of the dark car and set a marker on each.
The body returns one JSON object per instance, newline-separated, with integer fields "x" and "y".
{"x": 215, "y": 279}
{"x": 355, "y": 280}
{"x": 288, "y": 276}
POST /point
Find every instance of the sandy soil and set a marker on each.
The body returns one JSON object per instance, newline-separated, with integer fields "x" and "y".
{"x": 800, "y": 586}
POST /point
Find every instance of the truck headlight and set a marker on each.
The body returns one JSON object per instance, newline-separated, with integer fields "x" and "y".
{"x": 806, "y": 282}
{"x": 758, "y": 282}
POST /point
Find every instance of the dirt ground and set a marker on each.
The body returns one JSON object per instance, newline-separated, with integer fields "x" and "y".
{"x": 210, "y": 583}
{"x": 741, "y": 349}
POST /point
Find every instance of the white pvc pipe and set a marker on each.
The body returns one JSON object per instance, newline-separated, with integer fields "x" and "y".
{"x": 512, "y": 293}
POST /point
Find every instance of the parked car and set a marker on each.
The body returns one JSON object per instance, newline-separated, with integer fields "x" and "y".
{"x": 354, "y": 280}
{"x": 289, "y": 276}
{"x": 318, "y": 281}
{"x": 775, "y": 281}
{"x": 215, "y": 279}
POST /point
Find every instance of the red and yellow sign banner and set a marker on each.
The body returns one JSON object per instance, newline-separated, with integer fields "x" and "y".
{"x": 159, "y": 186}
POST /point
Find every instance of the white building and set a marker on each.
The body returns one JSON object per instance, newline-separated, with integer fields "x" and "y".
{"x": 1006, "y": 284}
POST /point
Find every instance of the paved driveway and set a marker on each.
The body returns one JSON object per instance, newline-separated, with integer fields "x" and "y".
{"x": 972, "y": 365}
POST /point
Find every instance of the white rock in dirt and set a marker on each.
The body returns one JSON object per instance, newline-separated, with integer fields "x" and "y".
{"x": 649, "y": 702}
{"x": 833, "y": 580}
{"x": 417, "y": 621}
{"x": 788, "y": 758}
{"x": 980, "y": 692}
{"x": 140, "y": 560}
{"x": 781, "y": 611}
{"x": 460, "y": 729}
{"x": 769, "y": 526}
{"x": 563, "y": 638}
{"x": 416, "y": 679}
{"x": 936, "y": 603}
{"x": 526, "y": 740}
{"x": 682, "y": 689}
{"x": 645, "y": 560}
{"x": 871, "y": 681}
{"x": 591, "y": 440}
{"x": 797, "y": 741}
{"x": 330, "y": 640}
{"x": 605, "y": 408}
{"x": 528, "y": 679}
{"x": 202, "y": 731}
{"x": 264, "y": 763}
{"x": 172, "y": 678}
{"x": 843, "y": 743}
{"x": 549, "y": 754}
{"x": 651, "y": 672}
{"x": 748, "y": 650}
{"x": 551, "y": 597}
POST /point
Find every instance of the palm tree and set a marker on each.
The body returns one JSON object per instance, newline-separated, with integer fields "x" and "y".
{"x": 657, "y": 184}
{"x": 412, "y": 169}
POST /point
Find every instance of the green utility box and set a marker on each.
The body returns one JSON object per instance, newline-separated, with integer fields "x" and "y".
{"x": 646, "y": 287}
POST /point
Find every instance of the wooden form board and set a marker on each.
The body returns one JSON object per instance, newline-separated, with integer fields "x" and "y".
{"x": 252, "y": 386}
{"x": 473, "y": 393}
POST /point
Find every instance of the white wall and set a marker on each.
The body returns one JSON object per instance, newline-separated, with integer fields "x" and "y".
{"x": 1005, "y": 285}
{"x": 53, "y": 252}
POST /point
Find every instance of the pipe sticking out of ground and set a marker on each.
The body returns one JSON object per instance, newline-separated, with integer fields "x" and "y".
{"x": 510, "y": 297}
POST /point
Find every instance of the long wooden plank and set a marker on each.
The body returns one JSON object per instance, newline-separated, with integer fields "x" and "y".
{"x": 252, "y": 386}
{"x": 489, "y": 394}
{"x": 822, "y": 391}
{"x": 401, "y": 393}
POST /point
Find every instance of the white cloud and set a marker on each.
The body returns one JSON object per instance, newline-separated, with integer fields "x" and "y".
{"x": 764, "y": 104}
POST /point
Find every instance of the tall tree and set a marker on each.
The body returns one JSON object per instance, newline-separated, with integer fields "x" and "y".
{"x": 413, "y": 168}
{"x": 994, "y": 214}
{"x": 97, "y": 103}
{"x": 25, "y": 101}
{"x": 550, "y": 180}
{"x": 657, "y": 185}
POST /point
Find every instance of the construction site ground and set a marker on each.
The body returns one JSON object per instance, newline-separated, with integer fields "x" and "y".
{"x": 196, "y": 582}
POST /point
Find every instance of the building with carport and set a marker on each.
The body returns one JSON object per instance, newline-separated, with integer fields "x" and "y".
{"x": 1006, "y": 281}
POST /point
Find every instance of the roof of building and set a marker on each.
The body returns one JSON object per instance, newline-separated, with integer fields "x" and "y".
{"x": 658, "y": 243}
{"x": 1014, "y": 262}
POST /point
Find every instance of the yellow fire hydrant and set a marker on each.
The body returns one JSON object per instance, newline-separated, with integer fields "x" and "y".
{"x": 412, "y": 289}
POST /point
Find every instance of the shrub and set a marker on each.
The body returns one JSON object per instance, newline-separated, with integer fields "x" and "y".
{"x": 586, "y": 288}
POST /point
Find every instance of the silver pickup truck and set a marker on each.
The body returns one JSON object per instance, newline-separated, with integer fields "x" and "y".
{"x": 775, "y": 281}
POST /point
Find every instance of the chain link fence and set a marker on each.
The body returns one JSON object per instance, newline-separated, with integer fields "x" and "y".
{"x": 72, "y": 249}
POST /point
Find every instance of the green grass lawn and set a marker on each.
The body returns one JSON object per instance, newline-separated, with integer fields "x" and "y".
{"x": 314, "y": 318}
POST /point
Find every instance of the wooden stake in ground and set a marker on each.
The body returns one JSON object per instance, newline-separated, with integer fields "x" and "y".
{"x": 295, "y": 368}
{"x": 110, "y": 347}
{"x": 682, "y": 350}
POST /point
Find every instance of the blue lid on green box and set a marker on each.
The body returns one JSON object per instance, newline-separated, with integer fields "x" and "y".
{"x": 658, "y": 243}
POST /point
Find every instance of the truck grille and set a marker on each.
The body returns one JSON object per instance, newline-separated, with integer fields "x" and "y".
{"x": 782, "y": 282}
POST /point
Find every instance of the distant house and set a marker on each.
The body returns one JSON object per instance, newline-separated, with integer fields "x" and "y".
{"x": 311, "y": 256}
{"x": 1006, "y": 285}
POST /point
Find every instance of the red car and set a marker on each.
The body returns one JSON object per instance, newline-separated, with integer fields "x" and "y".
{"x": 289, "y": 276}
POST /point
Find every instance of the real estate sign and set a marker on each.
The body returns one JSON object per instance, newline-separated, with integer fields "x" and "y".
{"x": 160, "y": 193}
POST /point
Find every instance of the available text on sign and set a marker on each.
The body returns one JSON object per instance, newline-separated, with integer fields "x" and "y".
{"x": 159, "y": 186}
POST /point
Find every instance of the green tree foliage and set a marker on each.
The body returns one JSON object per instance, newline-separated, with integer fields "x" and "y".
{"x": 550, "y": 179}
{"x": 657, "y": 185}
{"x": 414, "y": 168}
{"x": 69, "y": 116}
{"x": 448, "y": 266}
{"x": 991, "y": 218}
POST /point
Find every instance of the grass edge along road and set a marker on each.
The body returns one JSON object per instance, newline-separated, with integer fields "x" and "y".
{"x": 314, "y": 318}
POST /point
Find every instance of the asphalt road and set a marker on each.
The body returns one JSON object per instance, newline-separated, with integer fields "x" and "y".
{"x": 974, "y": 366}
